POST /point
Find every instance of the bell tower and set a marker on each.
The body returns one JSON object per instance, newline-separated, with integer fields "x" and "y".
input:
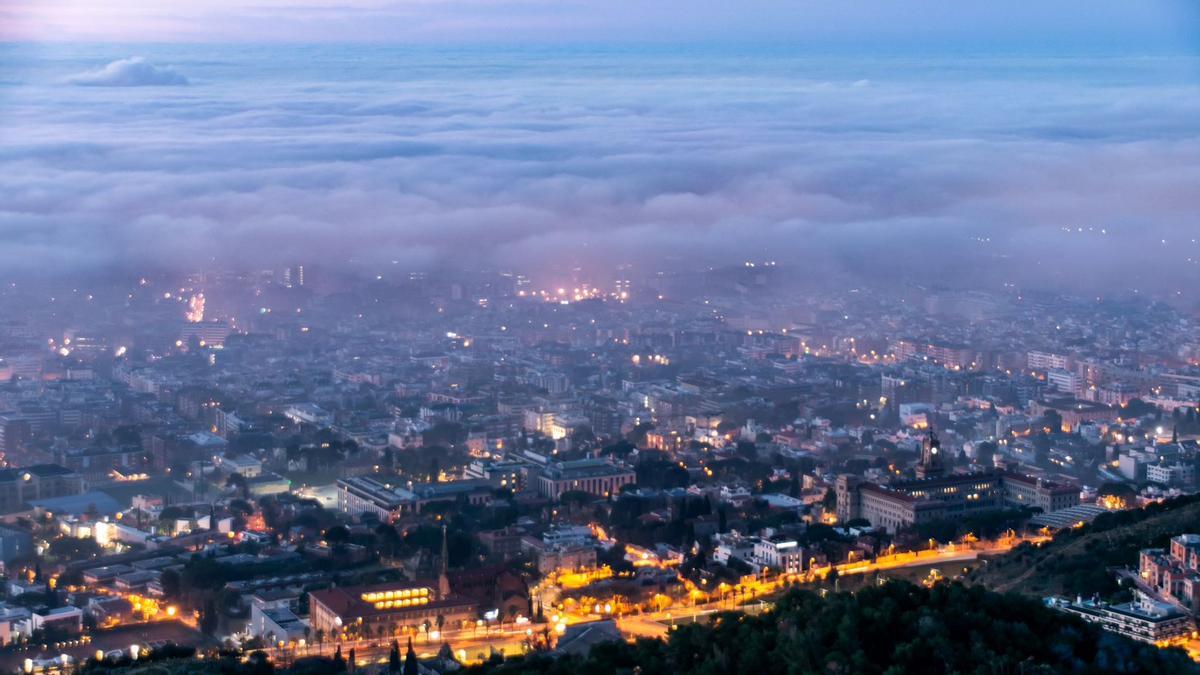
{"x": 932, "y": 463}
{"x": 444, "y": 564}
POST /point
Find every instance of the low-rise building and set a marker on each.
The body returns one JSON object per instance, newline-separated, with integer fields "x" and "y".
{"x": 1143, "y": 619}
{"x": 780, "y": 555}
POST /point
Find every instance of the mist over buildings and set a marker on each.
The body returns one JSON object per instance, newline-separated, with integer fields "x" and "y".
{"x": 1073, "y": 173}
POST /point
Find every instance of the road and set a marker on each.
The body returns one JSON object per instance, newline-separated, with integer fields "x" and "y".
{"x": 473, "y": 645}
{"x": 734, "y": 598}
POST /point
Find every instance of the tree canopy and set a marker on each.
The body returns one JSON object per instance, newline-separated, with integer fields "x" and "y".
{"x": 892, "y": 629}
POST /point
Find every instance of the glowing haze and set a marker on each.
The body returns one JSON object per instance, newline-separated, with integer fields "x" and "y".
{"x": 972, "y": 144}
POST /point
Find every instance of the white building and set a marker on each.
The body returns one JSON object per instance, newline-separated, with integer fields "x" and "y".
{"x": 308, "y": 413}
{"x": 1043, "y": 361}
{"x": 568, "y": 536}
{"x": 275, "y": 624}
{"x": 780, "y": 555}
{"x": 1143, "y": 619}
{"x": 1171, "y": 475}
{"x": 248, "y": 467}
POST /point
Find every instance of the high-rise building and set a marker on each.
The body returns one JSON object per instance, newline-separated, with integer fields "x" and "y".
{"x": 293, "y": 276}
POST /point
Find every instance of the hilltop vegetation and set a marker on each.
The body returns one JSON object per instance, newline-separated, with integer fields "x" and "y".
{"x": 1077, "y": 561}
{"x": 893, "y": 629}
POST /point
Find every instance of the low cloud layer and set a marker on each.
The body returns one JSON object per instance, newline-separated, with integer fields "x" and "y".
{"x": 131, "y": 72}
{"x": 1079, "y": 173}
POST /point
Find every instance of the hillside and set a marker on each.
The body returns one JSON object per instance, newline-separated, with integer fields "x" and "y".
{"x": 1076, "y": 562}
{"x": 893, "y": 629}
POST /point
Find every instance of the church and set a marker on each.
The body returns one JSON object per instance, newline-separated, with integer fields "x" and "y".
{"x": 384, "y": 609}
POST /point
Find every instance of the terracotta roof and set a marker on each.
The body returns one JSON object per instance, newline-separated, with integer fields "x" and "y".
{"x": 346, "y": 601}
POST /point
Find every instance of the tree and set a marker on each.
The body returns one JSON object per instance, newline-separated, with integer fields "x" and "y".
{"x": 879, "y": 630}
{"x": 339, "y": 662}
{"x": 172, "y": 583}
{"x": 209, "y": 618}
{"x": 410, "y": 660}
{"x": 394, "y": 658}
{"x": 259, "y": 663}
{"x": 338, "y": 534}
{"x": 1052, "y": 420}
{"x": 71, "y": 548}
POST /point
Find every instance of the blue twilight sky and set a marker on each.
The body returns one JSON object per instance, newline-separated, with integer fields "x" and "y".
{"x": 973, "y": 142}
{"x": 969, "y": 23}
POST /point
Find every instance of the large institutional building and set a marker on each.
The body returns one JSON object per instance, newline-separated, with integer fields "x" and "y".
{"x": 389, "y": 501}
{"x": 936, "y": 494}
{"x": 18, "y": 487}
{"x": 386, "y": 608}
{"x": 593, "y": 476}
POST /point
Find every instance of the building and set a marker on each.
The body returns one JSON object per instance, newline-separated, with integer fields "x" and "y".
{"x": 308, "y": 413}
{"x": 267, "y": 483}
{"x": 67, "y": 619}
{"x": 956, "y": 356}
{"x": 563, "y": 558}
{"x": 933, "y": 462}
{"x": 275, "y": 624}
{"x": 1066, "y": 382}
{"x": 1074, "y": 411}
{"x": 14, "y": 544}
{"x": 935, "y": 495}
{"x": 509, "y": 475}
{"x": 1174, "y": 573}
{"x": 1022, "y": 490}
{"x": 1178, "y": 474}
{"x": 1143, "y": 619}
{"x": 18, "y": 487}
{"x": 390, "y": 607}
{"x": 567, "y": 536}
{"x": 598, "y": 477}
{"x": 100, "y": 463}
{"x": 501, "y": 544}
{"x": 1044, "y": 361}
{"x": 248, "y": 467}
{"x": 206, "y": 333}
{"x": 14, "y": 623}
{"x": 389, "y": 501}
{"x": 780, "y": 555}
{"x": 362, "y": 494}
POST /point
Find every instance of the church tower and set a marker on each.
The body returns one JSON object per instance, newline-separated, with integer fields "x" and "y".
{"x": 932, "y": 463}
{"x": 444, "y": 564}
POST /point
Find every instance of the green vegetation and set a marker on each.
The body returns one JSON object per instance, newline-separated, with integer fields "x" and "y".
{"x": 890, "y": 630}
{"x": 1077, "y": 561}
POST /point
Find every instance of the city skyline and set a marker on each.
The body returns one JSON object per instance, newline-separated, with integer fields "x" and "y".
{"x": 544, "y": 337}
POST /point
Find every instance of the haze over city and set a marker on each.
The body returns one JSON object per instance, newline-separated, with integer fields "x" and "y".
{"x": 532, "y": 337}
{"x": 888, "y": 141}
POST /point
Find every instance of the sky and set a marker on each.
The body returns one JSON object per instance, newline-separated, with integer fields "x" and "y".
{"x": 963, "y": 143}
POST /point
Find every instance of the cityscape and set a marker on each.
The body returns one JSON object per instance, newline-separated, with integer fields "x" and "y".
{"x": 508, "y": 338}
